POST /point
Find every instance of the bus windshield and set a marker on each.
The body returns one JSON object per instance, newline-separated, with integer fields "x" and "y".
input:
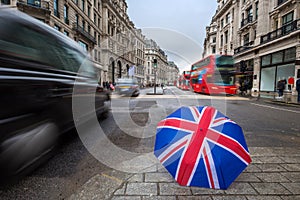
{"x": 225, "y": 63}
{"x": 223, "y": 79}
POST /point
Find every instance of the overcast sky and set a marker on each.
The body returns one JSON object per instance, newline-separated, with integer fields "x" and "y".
{"x": 178, "y": 26}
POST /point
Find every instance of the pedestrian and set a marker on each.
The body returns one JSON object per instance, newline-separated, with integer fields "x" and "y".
{"x": 298, "y": 89}
{"x": 280, "y": 87}
{"x": 111, "y": 86}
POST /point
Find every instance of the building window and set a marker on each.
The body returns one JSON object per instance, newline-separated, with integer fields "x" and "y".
{"x": 221, "y": 40}
{"x": 246, "y": 39}
{"x": 83, "y": 5}
{"x": 228, "y": 18}
{"x": 6, "y": 2}
{"x": 76, "y": 19}
{"x": 55, "y": 8}
{"x": 290, "y": 54}
{"x": 89, "y": 11}
{"x": 56, "y": 27}
{"x": 213, "y": 49}
{"x": 222, "y": 23}
{"x": 66, "y": 33}
{"x": 66, "y": 14}
{"x": 214, "y": 39}
{"x": 277, "y": 57}
{"x": 95, "y": 54}
{"x": 95, "y": 18}
{"x": 83, "y": 24}
{"x": 83, "y": 45}
{"x": 36, "y": 3}
{"x": 277, "y": 66}
{"x": 288, "y": 18}
{"x": 226, "y": 37}
{"x": 256, "y": 10}
{"x": 250, "y": 15}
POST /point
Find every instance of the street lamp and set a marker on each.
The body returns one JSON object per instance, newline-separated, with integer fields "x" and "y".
{"x": 155, "y": 69}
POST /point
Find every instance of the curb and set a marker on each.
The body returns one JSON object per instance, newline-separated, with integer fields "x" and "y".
{"x": 292, "y": 104}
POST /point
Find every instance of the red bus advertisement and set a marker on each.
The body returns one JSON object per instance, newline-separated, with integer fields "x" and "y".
{"x": 184, "y": 80}
{"x": 213, "y": 75}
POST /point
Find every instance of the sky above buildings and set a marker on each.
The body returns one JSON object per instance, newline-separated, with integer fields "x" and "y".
{"x": 178, "y": 26}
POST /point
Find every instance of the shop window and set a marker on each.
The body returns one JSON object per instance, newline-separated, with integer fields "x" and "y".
{"x": 285, "y": 71}
{"x": 267, "y": 79}
{"x": 7, "y": 2}
{"x": 290, "y": 54}
{"x": 266, "y": 60}
{"x": 277, "y": 57}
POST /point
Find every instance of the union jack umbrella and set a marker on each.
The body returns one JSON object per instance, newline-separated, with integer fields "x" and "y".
{"x": 200, "y": 146}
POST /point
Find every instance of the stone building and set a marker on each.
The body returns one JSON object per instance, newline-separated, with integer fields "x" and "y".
{"x": 173, "y": 73}
{"x": 101, "y": 27}
{"x": 78, "y": 19}
{"x": 221, "y": 32}
{"x": 264, "y": 38}
{"x": 121, "y": 42}
{"x": 153, "y": 51}
{"x": 140, "y": 56}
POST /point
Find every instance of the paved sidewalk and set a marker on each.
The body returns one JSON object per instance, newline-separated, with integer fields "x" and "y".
{"x": 273, "y": 174}
{"x": 287, "y": 99}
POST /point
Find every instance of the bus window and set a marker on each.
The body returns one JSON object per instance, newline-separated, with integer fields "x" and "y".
{"x": 223, "y": 79}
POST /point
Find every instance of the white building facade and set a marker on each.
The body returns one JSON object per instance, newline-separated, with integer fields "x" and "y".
{"x": 263, "y": 36}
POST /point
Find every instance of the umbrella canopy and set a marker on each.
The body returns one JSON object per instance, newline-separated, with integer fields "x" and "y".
{"x": 200, "y": 146}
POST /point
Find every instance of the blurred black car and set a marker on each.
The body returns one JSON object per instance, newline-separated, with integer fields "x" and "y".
{"x": 127, "y": 87}
{"x": 39, "y": 67}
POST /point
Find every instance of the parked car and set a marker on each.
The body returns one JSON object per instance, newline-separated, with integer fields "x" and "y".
{"x": 128, "y": 87}
{"x": 39, "y": 67}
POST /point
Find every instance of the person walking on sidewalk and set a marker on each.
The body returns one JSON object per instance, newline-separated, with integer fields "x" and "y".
{"x": 298, "y": 89}
{"x": 280, "y": 87}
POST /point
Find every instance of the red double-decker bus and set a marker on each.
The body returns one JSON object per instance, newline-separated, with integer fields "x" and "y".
{"x": 184, "y": 80}
{"x": 213, "y": 75}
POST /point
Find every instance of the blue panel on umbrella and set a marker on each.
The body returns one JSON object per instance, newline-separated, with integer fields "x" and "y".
{"x": 172, "y": 164}
{"x": 234, "y": 131}
{"x": 164, "y": 140}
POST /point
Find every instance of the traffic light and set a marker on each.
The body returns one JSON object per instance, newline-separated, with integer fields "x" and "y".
{"x": 154, "y": 63}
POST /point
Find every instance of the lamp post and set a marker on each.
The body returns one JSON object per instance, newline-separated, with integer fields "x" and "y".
{"x": 155, "y": 70}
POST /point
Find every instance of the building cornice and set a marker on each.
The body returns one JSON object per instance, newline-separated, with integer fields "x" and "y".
{"x": 223, "y": 9}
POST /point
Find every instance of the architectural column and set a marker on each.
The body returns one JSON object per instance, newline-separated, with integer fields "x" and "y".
{"x": 297, "y": 67}
{"x": 256, "y": 76}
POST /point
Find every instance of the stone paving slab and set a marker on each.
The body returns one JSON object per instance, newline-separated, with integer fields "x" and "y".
{"x": 100, "y": 186}
{"x": 273, "y": 174}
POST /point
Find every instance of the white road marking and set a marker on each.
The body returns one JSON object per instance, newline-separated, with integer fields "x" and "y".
{"x": 276, "y": 108}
